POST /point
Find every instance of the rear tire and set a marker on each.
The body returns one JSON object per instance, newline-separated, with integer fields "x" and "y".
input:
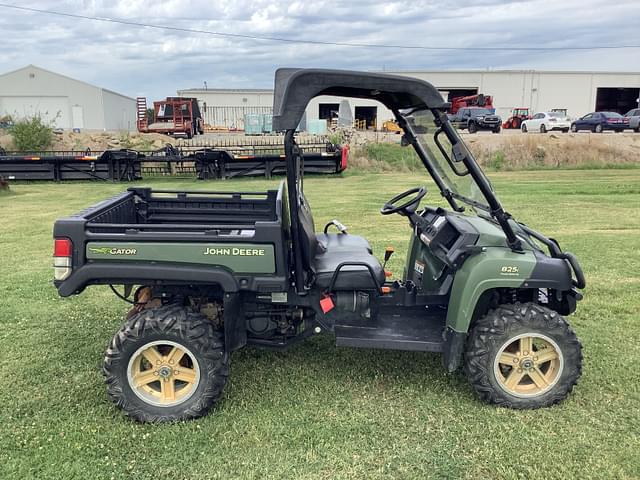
{"x": 565, "y": 130}
{"x": 637, "y": 129}
{"x": 473, "y": 128}
{"x": 162, "y": 345}
{"x": 499, "y": 369}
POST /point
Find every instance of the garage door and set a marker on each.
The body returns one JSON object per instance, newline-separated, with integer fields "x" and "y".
{"x": 50, "y": 109}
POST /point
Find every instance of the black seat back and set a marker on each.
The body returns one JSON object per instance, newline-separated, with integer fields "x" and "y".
{"x": 306, "y": 227}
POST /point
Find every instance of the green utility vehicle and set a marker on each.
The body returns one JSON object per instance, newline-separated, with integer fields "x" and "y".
{"x": 211, "y": 272}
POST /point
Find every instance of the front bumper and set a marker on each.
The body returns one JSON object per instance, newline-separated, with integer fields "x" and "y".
{"x": 577, "y": 275}
{"x": 488, "y": 125}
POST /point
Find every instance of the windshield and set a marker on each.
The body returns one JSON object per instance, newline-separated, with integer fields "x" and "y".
{"x": 451, "y": 170}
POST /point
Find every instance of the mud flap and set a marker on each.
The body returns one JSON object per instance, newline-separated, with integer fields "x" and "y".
{"x": 453, "y": 349}
{"x": 235, "y": 330}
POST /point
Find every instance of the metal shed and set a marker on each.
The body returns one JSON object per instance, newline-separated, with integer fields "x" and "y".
{"x": 63, "y": 101}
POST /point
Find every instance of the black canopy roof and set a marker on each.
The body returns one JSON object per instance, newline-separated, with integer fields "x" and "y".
{"x": 295, "y": 87}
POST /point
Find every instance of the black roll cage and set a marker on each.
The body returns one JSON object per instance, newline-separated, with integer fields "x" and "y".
{"x": 294, "y": 88}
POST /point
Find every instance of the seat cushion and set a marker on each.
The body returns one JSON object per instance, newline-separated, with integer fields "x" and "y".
{"x": 338, "y": 241}
{"x": 351, "y": 277}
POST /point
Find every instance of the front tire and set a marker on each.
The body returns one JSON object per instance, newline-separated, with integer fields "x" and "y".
{"x": 166, "y": 364}
{"x": 496, "y": 130}
{"x": 598, "y": 129}
{"x": 543, "y": 128}
{"x": 523, "y": 356}
{"x": 524, "y": 128}
{"x": 473, "y": 128}
{"x": 574, "y": 128}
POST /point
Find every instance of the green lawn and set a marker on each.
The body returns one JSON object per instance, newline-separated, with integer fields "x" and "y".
{"x": 317, "y": 411}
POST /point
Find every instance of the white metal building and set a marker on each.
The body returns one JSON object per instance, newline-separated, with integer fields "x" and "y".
{"x": 577, "y": 92}
{"x": 64, "y": 101}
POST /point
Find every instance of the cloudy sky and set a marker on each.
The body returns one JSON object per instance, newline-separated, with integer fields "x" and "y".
{"x": 145, "y": 61}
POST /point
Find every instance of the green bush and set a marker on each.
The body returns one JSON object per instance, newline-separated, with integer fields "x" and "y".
{"x": 393, "y": 157}
{"x": 337, "y": 137}
{"x": 31, "y": 134}
{"x": 497, "y": 161}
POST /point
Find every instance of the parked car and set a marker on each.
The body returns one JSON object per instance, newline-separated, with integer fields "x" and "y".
{"x": 546, "y": 121}
{"x": 600, "y": 121}
{"x": 475, "y": 118}
{"x": 634, "y": 119}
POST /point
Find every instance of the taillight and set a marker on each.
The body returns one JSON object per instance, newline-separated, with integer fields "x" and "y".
{"x": 344, "y": 157}
{"x": 62, "y": 255}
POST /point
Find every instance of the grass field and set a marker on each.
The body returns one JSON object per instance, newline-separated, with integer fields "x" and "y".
{"x": 316, "y": 411}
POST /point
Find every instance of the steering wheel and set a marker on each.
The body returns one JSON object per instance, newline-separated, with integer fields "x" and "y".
{"x": 407, "y": 207}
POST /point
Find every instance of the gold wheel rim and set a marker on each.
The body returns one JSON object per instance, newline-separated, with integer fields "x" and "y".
{"x": 528, "y": 365}
{"x": 163, "y": 373}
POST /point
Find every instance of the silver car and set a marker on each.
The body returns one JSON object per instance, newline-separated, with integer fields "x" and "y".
{"x": 634, "y": 119}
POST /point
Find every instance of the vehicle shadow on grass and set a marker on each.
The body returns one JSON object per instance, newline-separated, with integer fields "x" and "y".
{"x": 318, "y": 366}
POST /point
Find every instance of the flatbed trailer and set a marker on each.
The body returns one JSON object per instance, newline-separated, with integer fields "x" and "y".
{"x": 203, "y": 163}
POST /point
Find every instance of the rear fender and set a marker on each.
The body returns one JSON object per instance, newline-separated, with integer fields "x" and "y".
{"x": 131, "y": 273}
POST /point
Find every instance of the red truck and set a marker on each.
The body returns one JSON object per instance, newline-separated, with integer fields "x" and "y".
{"x": 176, "y": 116}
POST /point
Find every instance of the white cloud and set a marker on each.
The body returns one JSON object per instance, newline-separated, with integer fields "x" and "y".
{"x": 135, "y": 60}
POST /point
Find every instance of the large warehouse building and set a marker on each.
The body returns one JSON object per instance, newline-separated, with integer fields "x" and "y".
{"x": 577, "y": 92}
{"x": 63, "y": 101}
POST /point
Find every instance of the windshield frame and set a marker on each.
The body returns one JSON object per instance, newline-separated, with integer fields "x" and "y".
{"x": 459, "y": 152}
{"x": 493, "y": 206}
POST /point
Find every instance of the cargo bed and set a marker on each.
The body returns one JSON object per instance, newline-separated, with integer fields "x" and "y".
{"x": 144, "y": 234}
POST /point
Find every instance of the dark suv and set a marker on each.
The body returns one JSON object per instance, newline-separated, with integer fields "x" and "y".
{"x": 476, "y": 118}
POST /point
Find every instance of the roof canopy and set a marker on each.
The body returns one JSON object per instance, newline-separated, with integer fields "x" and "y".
{"x": 295, "y": 87}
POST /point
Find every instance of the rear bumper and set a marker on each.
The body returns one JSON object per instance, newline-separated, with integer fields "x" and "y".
{"x": 615, "y": 128}
{"x": 559, "y": 126}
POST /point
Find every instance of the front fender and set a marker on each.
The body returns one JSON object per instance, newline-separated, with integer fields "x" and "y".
{"x": 495, "y": 267}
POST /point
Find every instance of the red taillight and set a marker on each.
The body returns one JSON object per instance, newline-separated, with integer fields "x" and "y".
{"x": 62, "y": 247}
{"x": 344, "y": 157}
{"x": 62, "y": 253}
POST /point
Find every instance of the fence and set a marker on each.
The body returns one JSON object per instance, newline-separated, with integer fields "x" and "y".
{"x": 231, "y": 118}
